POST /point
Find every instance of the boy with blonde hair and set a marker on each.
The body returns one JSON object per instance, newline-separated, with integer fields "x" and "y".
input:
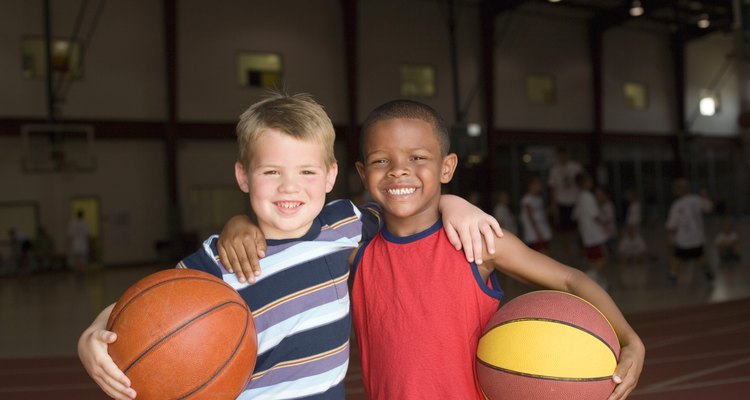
{"x": 300, "y": 302}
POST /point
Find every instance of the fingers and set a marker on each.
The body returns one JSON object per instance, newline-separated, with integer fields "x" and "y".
{"x": 223, "y": 256}
{"x": 496, "y": 228}
{"x": 452, "y": 236}
{"x": 476, "y": 244}
{"x": 625, "y": 384}
{"x": 116, "y": 384}
{"x": 489, "y": 238}
{"x": 467, "y": 242}
{"x": 234, "y": 259}
{"x": 249, "y": 258}
{"x": 105, "y": 336}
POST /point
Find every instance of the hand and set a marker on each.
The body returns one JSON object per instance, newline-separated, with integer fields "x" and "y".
{"x": 628, "y": 370}
{"x": 466, "y": 226}
{"x": 92, "y": 350}
{"x": 241, "y": 244}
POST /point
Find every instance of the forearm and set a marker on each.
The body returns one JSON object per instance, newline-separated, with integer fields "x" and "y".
{"x": 100, "y": 322}
{"x": 580, "y": 285}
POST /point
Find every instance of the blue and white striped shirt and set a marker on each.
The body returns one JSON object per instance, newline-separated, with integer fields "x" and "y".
{"x": 300, "y": 304}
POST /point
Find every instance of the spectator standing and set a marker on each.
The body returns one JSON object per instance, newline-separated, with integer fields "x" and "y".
{"x": 503, "y": 214}
{"x": 78, "y": 239}
{"x": 686, "y": 229}
{"x": 536, "y": 230}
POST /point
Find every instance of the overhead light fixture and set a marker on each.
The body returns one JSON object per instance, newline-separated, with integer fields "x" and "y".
{"x": 709, "y": 103}
{"x": 554, "y": 1}
{"x": 704, "y": 22}
{"x": 636, "y": 9}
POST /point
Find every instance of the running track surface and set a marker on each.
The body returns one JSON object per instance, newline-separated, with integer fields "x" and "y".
{"x": 695, "y": 353}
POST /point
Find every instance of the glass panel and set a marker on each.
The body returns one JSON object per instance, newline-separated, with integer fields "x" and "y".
{"x": 261, "y": 70}
{"x": 417, "y": 81}
{"x": 636, "y": 95}
{"x": 540, "y": 89}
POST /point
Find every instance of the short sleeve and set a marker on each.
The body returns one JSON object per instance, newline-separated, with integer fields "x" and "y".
{"x": 372, "y": 220}
{"x": 201, "y": 260}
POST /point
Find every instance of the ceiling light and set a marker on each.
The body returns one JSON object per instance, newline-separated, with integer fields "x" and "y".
{"x": 704, "y": 22}
{"x": 554, "y": 1}
{"x": 636, "y": 9}
{"x": 708, "y": 104}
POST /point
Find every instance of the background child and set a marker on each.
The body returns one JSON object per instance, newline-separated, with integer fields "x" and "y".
{"x": 400, "y": 294}
{"x": 727, "y": 243}
{"x": 536, "y": 229}
{"x": 607, "y": 213}
{"x": 286, "y": 166}
{"x": 685, "y": 226}
{"x": 503, "y": 213}
{"x": 591, "y": 227}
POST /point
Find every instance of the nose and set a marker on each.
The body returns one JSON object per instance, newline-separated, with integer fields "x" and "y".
{"x": 289, "y": 184}
{"x": 398, "y": 168}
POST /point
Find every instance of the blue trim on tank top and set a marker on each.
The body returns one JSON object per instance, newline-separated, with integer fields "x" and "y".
{"x": 387, "y": 235}
{"x": 495, "y": 291}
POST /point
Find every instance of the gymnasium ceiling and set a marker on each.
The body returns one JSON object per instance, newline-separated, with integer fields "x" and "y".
{"x": 673, "y": 15}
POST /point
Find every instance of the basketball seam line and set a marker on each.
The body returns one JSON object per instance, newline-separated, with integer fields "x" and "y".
{"x": 612, "y": 350}
{"x": 544, "y": 377}
{"x": 143, "y": 292}
{"x": 218, "y": 371}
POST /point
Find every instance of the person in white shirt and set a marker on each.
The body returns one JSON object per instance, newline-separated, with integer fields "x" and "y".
{"x": 685, "y": 226}
{"x": 632, "y": 247}
{"x": 727, "y": 243}
{"x": 609, "y": 220}
{"x": 591, "y": 226}
{"x": 563, "y": 189}
{"x": 503, "y": 213}
{"x": 78, "y": 238}
{"x": 536, "y": 229}
{"x": 633, "y": 213}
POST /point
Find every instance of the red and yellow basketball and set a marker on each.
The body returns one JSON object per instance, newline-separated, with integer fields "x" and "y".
{"x": 183, "y": 334}
{"x": 547, "y": 345}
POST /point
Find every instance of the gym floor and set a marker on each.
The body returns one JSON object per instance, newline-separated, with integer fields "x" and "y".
{"x": 695, "y": 332}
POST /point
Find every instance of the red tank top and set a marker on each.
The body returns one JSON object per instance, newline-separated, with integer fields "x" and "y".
{"x": 419, "y": 308}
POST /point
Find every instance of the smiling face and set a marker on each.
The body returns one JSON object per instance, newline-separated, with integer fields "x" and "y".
{"x": 403, "y": 170}
{"x": 287, "y": 180}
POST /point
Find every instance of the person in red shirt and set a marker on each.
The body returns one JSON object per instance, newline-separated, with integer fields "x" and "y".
{"x": 418, "y": 306}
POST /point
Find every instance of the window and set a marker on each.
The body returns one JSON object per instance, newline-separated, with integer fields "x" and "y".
{"x": 259, "y": 70}
{"x": 540, "y": 89}
{"x": 66, "y": 58}
{"x": 417, "y": 81}
{"x": 636, "y": 95}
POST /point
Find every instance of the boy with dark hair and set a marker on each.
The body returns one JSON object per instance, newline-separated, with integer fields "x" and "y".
{"x": 418, "y": 306}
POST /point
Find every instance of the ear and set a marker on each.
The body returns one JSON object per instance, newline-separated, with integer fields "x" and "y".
{"x": 241, "y": 175}
{"x": 333, "y": 171}
{"x": 448, "y": 167}
{"x": 361, "y": 171}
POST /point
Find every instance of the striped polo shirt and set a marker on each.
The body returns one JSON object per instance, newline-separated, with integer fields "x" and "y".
{"x": 300, "y": 304}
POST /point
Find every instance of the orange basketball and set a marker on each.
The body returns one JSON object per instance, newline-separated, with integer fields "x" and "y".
{"x": 547, "y": 345}
{"x": 183, "y": 334}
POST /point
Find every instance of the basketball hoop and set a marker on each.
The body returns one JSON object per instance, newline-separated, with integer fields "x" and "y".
{"x": 66, "y": 148}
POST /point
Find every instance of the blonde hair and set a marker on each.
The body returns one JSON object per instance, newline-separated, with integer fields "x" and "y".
{"x": 297, "y": 115}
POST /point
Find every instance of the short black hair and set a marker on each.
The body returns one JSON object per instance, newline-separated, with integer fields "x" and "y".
{"x": 408, "y": 109}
